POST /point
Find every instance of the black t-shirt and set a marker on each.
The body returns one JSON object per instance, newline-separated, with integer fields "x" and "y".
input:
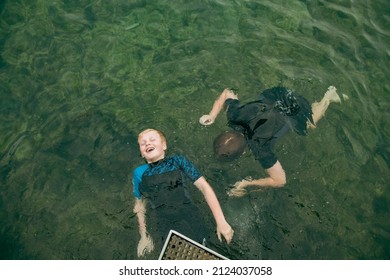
{"x": 263, "y": 121}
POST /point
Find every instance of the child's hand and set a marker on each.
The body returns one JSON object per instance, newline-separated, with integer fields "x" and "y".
{"x": 238, "y": 189}
{"x": 206, "y": 120}
{"x": 145, "y": 245}
{"x": 226, "y": 230}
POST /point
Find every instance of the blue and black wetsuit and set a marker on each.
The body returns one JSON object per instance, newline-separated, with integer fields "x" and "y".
{"x": 163, "y": 185}
{"x": 265, "y": 120}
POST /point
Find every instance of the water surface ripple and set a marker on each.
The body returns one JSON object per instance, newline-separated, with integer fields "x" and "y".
{"x": 80, "y": 79}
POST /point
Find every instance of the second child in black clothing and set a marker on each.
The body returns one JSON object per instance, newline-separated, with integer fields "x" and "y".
{"x": 262, "y": 122}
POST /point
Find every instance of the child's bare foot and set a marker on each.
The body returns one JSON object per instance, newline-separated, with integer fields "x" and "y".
{"x": 332, "y": 95}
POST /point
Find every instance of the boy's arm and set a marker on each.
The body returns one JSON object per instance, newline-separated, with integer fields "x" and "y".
{"x": 222, "y": 226}
{"x": 139, "y": 210}
{"x": 217, "y": 107}
{"x": 145, "y": 244}
{"x": 276, "y": 179}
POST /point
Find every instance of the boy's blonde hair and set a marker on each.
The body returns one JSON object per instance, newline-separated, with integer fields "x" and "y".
{"x": 163, "y": 138}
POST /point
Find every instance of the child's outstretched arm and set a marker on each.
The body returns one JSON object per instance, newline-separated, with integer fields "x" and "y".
{"x": 223, "y": 228}
{"x": 217, "y": 107}
{"x": 145, "y": 244}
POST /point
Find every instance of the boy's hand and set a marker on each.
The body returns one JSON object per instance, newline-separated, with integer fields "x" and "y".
{"x": 206, "y": 120}
{"x": 226, "y": 230}
{"x": 145, "y": 245}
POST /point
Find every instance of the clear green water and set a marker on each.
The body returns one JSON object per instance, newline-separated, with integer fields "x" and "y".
{"x": 80, "y": 79}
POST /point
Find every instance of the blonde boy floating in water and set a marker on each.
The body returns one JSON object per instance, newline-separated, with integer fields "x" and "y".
{"x": 160, "y": 186}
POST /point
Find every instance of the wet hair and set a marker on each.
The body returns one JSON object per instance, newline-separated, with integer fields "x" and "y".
{"x": 229, "y": 145}
{"x": 152, "y": 129}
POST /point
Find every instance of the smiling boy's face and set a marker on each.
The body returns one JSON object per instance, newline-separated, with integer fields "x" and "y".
{"x": 152, "y": 146}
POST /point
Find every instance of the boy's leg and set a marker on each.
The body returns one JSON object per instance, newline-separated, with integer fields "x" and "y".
{"x": 319, "y": 108}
